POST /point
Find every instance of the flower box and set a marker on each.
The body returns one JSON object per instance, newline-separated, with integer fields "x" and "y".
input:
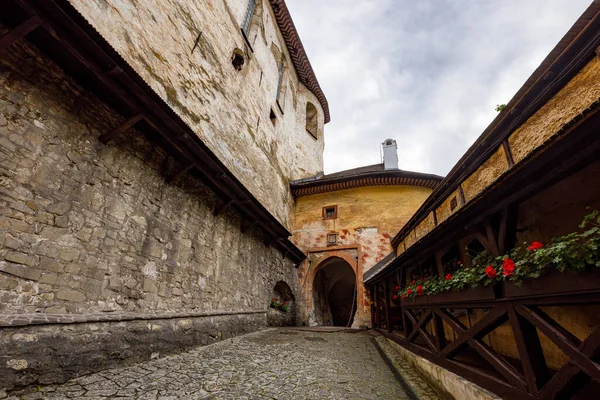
{"x": 555, "y": 282}
{"x": 476, "y": 294}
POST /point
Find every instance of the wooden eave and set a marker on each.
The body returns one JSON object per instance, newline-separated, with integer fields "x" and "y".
{"x": 383, "y": 178}
{"x": 569, "y": 56}
{"x": 66, "y": 37}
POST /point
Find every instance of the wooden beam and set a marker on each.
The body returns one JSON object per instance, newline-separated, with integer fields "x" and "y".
{"x": 388, "y": 307}
{"x": 492, "y": 241}
{"x": 377, "y": 312}
{"x": 508, "y": 152}
{"x": 532, "y": 357}
{"x": 563, "y": 339}
{"x": 182, "y": 171}
{"x": 472, "y": 338}
{"x": 29, "y": 25}
{"x": 494, "y": 318}
{"x": 269, "y": 239}
{"x": 419, "y": 325}
{"x": 220, "y": 208}
{"x": 121, "y": 128}
{"x": 438, "y": 263}
{"x": 430, "y": 341}
{"x": 507, "y": 232}
{"x": 570, "y": 377}
{"x": 247, "y": 225}
{"x": 465, "y": 258}
{"x": 440, "y": 335}
{"x": 461, "y": 195}
{"x": 471, "y": 373}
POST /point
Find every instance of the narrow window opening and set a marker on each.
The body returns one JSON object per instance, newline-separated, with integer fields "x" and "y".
{"x": 330, "y": 212}
{"x": 279, "y": 81}
{"x": 273, "y": 117}
{"x": 312, "y": 119}
{"x": 453, "y": 203}
{"x": 237, "y": 59}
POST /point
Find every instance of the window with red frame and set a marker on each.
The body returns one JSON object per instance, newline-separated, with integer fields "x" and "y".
{"x": 329, "y": 212}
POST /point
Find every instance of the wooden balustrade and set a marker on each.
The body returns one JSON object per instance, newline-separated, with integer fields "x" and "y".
{"x": 431, "y": 327}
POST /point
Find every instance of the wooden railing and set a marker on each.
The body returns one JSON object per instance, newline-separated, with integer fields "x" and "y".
{"x": 436, "y": 328}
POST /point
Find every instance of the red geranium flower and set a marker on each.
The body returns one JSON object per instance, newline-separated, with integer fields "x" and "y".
{"x": 459, "y": 263}
{"x": 419, "y": 290}
{"x": 395, "y": 297}
{"x": 508, "y": 267}
{"x": 490, "y": 271}
{"x": 409, "y": 291}
{"x": 535, "y": 246}
{"x": 420, "y": 279}
{"x": 403, "y": 296}
{"x": 413, "y": 282}
{"x": 397, "y": 287}
{"x": 448, "y": 277}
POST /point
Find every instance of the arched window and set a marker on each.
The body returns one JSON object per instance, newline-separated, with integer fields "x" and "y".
{"x": 312, "y": 120}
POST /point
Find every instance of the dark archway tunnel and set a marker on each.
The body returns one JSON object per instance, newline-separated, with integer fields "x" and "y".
{"x": 334, "y": 293}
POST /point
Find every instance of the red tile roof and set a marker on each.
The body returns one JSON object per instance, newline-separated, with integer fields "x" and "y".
{"x": 297, "y": 53}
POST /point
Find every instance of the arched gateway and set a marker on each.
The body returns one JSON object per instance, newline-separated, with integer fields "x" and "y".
{"x": 334, "y": 292}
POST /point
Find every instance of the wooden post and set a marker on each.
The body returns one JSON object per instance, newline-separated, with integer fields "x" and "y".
{"x": 372, "y": 298}
{"x": 491, "y": 238}
{"x": 18, "y": 32}
{"x": 507, "y": 233}
{"x": 388, "y": 306}
{"x": 120, "y": 129}
{"x": 530, "y": 351}
{"x": 465, "y": 258}
{"x": 438, "y": 263}
{"x": 377, "y": 311}
{"x": 438, "y": 331}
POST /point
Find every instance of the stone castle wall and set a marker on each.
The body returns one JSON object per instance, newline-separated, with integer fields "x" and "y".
{"x": 92, "y": 233}
{"x": 228, "y": 109}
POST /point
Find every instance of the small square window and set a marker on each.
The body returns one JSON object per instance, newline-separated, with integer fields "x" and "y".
{"x": 330, "y": 212}
{"x": 453, "y": 203}
{"x": 331, "y": 239}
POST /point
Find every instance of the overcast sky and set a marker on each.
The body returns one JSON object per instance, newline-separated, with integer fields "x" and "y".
{"x": 427, "y": 73}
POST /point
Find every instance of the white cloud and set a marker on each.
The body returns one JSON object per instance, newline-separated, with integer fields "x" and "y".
{"x": 427, "y": 73}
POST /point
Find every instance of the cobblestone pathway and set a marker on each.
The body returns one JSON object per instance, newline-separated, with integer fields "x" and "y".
{"x": 272, "y": 364}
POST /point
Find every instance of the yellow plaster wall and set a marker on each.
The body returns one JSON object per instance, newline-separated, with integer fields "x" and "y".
{"x": 386, "y": 207}
{"x": 570, "y": 101}
{"x": 486, "y": 174}
{"x": 444, "y": 210}
{"x": 425, "y": 226}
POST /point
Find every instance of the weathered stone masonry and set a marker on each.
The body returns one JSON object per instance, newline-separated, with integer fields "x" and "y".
{"x": 88, "y": 228}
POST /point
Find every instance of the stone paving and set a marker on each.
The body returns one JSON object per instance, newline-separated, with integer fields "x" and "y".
{"x": 272, "y": 364}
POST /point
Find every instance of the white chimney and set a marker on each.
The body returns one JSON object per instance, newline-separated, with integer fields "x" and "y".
{"x": 390, "y": 154}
